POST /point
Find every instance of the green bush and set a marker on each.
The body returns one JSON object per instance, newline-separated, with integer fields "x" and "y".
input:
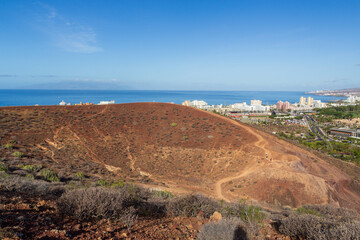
{"x": 31, "y": 168}
{"x": 173, "y": 124}
{"x": 102, "y": 183}
{"x": 247, "y": 213}
{"x": 3, "y": 167}
{"x": 163, "y": 194}
{"x": 80, "y": 175}
{"x": 332, "y": 212}
{"x": 118, "y": 184}
{"x": 18, "y": 154}
{"x": 49, "y": 175}
{"x": 303, "y": 210}
{"x": 30, "y": 176}
{"x": 9, "y": 146}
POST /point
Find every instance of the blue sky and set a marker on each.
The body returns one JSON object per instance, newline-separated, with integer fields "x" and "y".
{"x": 181, "y": 45}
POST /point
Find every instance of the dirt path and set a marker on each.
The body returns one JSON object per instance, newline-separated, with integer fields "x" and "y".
{"x": 218, "y": 189}
{"x": 261, "y": 143}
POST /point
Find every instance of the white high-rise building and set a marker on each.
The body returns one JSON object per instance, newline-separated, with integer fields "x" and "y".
{"x": 310, "y": 101}
{"x": 302, "y": 101}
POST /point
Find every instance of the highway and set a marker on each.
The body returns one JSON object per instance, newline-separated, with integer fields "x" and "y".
{"x": 315, "y": 128}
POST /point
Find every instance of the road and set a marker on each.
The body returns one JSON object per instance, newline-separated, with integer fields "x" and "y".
{"x": 315, "y": 128}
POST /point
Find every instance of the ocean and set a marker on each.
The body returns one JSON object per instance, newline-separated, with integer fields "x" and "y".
{"x": 54, "y": 97}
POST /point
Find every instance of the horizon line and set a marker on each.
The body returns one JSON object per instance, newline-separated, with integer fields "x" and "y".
{"x": 203, "y": 90}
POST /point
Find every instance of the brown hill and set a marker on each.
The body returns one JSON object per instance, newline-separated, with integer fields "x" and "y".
{"x": 174, "y": 148}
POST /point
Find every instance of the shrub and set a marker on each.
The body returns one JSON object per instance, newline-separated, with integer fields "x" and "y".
{"x": 163, "y": 194}
{"x": 32, "y": 187}
{"x": 118, "y": 184}
{"x": 80, "y": 175}
{"x": 226, "y": 229}
{"x": 102, "y": 183}
{"x": 252, "y": 216}
{"x": 31, "y": 168}
{"x": 92, "y": 203}
{"x": 18, "y": 154}
{"x": 173, "y": 124}
{"x": 332, "y": 212}
{"x": 3, "y": 167}
{"x": 9, "y": 146}
{"x": 103, "y": 203}
{"x": 153, "y": 207}
{"x": 322, "y": 222}
{"x": 12, "y": 142}
{"x": 314, "y": 227}
{"x": 30, "y": 176}
{"x": 49, "y": 175}
{"x": 129, "y": 217}
{"x": 302, "y": 210}
{"x": 191, "y": 205}
{"x": 248, "y": 213}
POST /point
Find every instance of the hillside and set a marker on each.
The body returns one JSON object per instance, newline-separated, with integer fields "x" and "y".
{"x": 176, "y": 148}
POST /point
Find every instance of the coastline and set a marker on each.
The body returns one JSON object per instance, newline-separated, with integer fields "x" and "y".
{"x": 23, "y": 97}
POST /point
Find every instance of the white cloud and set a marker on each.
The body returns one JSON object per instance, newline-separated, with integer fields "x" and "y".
{"x": 67, "y": 34}
{"x": 78, "y": 41}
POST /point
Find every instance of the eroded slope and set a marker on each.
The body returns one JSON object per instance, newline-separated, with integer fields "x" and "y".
{"x": 181, "y": 149}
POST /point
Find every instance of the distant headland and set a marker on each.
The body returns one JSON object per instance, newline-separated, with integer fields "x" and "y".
{"x": 339, "y": 93}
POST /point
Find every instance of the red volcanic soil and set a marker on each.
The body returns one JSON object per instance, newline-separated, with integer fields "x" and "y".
{"x": 176, "y": 148}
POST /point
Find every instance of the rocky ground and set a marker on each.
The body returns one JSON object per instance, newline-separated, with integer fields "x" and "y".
{"x": 162, "y": 147}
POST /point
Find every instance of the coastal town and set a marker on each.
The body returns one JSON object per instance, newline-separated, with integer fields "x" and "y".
{"x": 329, "y": 127}
{"x": 257, "y": 108}
{"x": 300, "y": 113}
{"x": 332, "y": 128}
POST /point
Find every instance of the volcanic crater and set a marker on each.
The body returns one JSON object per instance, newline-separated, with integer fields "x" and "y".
{"x": 176, "y": 148}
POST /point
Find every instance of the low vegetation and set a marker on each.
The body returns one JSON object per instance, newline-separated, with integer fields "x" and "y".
{"x": 49, "y": 175}
{"x": 342, "y": 150}
{"x": 191, "y": 205}
{"x": 75, "y": 199}
{"x": 3, "y": 167}
{"x": 31, "y": 168}
{"x": 126, "y": 204}
{"x": 80, "y": 175}
{"x": 321, "y": 222}
{"x": 163, "y": 194}
{"x": 342, "y": 112}
{"x": 9, "y": 146}
{"x": 18, "y": 154}
{"x": 30, "y": 186}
